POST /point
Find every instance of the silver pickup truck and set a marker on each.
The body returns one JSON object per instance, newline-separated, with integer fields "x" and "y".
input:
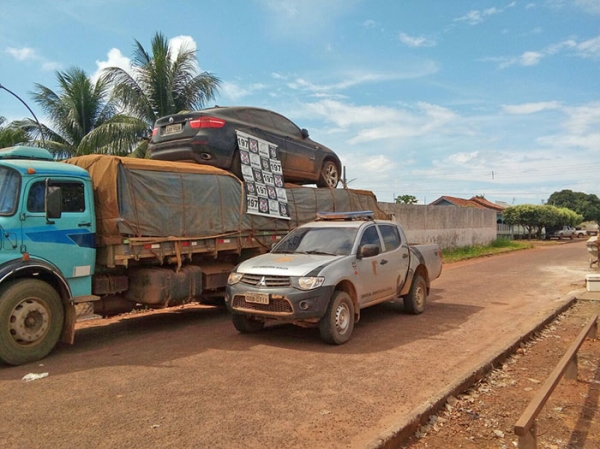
{"x": 324, "y": 272}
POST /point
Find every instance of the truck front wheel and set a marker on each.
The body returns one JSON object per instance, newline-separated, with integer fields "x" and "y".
{"x": 337, "y": 324}
{"x": 246, "y": 324}
{"x": 415, "y": 301}
{"x": 31, "y": 320}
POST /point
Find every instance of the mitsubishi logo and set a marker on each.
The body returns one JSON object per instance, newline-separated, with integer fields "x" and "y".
{"x": 262, "y": 282}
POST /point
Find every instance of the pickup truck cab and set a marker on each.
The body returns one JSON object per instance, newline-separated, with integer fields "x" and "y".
{"x": 324, "y": 272}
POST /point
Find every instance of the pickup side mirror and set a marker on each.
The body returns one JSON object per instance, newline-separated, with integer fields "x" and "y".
{"x": 368, "y": 251}
{"x": 53, "y": 202}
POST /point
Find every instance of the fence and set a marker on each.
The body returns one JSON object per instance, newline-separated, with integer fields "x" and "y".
{"x": 525, "y": 427}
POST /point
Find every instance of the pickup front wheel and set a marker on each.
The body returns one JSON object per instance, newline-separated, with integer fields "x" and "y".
{"x": 337, "y": 324}
{"x": 415, "y": 301}
{"x": 31, "y": 320}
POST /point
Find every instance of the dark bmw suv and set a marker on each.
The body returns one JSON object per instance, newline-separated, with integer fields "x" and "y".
{"x": 208, "y": 136}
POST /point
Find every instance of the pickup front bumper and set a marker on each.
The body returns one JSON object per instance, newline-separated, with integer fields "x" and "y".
{"x": 286, "y": 304}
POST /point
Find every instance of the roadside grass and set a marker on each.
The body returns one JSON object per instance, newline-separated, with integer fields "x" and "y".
{"x": 496, "y": 247}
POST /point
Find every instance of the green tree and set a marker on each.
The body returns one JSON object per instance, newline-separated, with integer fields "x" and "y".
{"x": 11, "y": 134}
{"x": 406, "y": 199}
{"x": 537, "y": 218}
{"x": 161, "y": 83}
{"x": 83, "y": 118}
{"x": 587, "y": 205}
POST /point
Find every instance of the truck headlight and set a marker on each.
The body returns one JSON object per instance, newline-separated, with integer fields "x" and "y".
{"x": 310, "y": 282}
{"x": 234, "y": 277}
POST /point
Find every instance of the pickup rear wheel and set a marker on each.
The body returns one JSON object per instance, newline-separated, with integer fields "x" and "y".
{"x": 246, "y": 324}
{"x": 415, "y": 301}
{"x": 338, "y": 322}
{"x": 31, "y": 320}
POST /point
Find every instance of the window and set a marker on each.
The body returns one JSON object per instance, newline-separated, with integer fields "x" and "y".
{"x": 370, "y": 237}
{"x": 285, "y": 126}
{"x": 261, "y": 119}
{"x": 391, "y": 237}
{"x": 73, "y": 199}
{"x": 10, "y": 182}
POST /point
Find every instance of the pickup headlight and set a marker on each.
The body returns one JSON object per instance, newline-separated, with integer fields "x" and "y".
{"x": 234, "y": 277}
{"x": 310, "y": 282}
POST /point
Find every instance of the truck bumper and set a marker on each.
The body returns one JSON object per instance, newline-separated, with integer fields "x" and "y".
{"x": 285, "y": 304}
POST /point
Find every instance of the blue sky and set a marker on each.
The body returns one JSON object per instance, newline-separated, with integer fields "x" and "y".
{"x": 426, "y": 98}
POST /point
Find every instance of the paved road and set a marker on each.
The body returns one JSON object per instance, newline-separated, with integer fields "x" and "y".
{"x": 186, "y": 378}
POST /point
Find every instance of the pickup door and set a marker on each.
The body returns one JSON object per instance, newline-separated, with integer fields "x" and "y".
{"x": 383, "y": 275}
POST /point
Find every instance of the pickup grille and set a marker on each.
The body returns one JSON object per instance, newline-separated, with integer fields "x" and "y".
{"x": 278, "y": 305}
{"x": 266, "y": 281}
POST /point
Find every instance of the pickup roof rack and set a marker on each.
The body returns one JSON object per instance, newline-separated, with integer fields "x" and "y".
{"x": 346, "y": 216}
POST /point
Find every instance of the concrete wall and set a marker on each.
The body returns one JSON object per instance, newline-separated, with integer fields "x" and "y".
{"x": 448, "y": 226}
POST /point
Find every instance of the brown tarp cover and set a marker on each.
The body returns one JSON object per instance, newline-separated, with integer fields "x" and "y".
{"x": 147, "y": 198}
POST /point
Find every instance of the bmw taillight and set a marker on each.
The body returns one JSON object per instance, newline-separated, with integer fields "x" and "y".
{"x": 207, "y": 122}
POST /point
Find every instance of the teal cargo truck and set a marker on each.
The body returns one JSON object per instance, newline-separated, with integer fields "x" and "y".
{"x": 101, "y": 235}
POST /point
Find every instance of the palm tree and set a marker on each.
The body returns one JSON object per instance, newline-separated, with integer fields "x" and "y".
{"x": 161, "y": 83}
{"x": 11, "y": 134}
{"x": 84, "y": 119}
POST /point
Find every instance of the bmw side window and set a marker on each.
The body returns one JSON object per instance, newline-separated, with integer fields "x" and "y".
{"x": 262, "y": 119}
{"x": 370, "y": 237}
{"x": 391, "y": 237}
{"x": 284, "y": 126}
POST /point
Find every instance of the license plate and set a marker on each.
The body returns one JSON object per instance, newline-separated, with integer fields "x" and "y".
{"x": 257, "y": 298}
{"x": 173, "y": 129}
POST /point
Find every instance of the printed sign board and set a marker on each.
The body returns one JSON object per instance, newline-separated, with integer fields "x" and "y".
{"x": 263, "y": 177}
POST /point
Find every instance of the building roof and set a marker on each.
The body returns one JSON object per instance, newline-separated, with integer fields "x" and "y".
{"x": 477, "y": 202}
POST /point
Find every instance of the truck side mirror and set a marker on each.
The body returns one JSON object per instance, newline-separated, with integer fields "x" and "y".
{"x": 53, "y": 203}
{"x": 368, "y": 251}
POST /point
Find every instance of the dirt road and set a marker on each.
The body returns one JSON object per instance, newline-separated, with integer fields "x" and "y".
{"x": 186, "y": 378}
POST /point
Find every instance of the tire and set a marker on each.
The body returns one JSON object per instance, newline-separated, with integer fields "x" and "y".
{"x": 31, "y": 321}
{"x": 246, "y": 324}
{"x": 330, "y": 175}
{"x": 337, "y": 324}
{"x": 416, "y": 299}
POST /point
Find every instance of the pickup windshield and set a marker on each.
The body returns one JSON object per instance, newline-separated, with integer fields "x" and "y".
{"x": 9, "y": 189}
{"x": 333, "y": 241}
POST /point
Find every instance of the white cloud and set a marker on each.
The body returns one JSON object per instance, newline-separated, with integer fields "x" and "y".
{"x": 463, "y": 158}
{"x": 591, "y": 6}
{"x": 29, "y": 54}
{"x": 475, "y": 17}
{"x": 589, "y": 48}
{"x": 413, "y": 41}
{"x": 530, "y": 108}
{"x": 114, "y": 59}
{"x": 22, "y": 54}
{"x": 235, "y": 92}
{"x": 369, "y": 24}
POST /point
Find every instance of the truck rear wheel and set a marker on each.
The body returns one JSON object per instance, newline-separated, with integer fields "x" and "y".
{"x": 246, "y": 324}
{"x": 415, "y": 301}
{"x": 337, "y": 324}
{"x": 31, "y": 320}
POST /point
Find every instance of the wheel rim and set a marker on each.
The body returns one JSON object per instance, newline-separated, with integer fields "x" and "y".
{"x": 419, "y": 296}
{"x": 331, "y": 175}
{"x": 29, "y": 322}
{"x": 342, "y": 318}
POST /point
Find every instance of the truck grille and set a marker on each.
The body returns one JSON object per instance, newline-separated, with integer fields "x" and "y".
{"x": 266, "y": 281}
{"x": 277, "y": 305}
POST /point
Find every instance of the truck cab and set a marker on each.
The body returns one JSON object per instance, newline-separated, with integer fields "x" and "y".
{"x": 47, "y": 249}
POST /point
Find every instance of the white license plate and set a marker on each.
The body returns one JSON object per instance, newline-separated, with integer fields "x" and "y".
{"x": 257, "y": 298}
{"x": 173, "y": 129}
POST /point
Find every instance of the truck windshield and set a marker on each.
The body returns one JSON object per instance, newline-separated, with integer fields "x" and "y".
{"x": 9, "y": 190}
{"x": 335, "y": 241}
